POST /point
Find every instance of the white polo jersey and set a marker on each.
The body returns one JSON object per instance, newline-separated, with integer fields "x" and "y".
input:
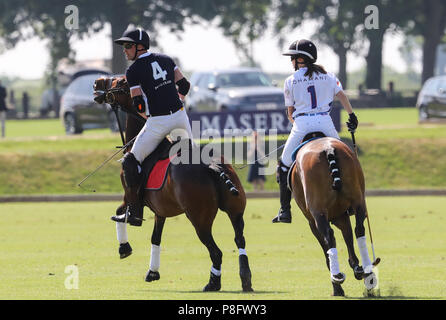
{"x": 310, "y": 95}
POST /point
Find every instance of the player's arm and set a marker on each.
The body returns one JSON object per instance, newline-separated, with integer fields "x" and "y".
{"x": 289, "y": 113}
{"x": 352, "y": 122}
{"x": 182, "y": 83}
{"x": 139, "y": 104}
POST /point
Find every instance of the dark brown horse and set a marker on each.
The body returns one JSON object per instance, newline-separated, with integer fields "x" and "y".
{"x": 194, "y": 189}
{"x": 327, "y": 183}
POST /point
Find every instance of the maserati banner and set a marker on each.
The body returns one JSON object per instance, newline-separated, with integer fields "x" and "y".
{"x": 243, "y": 122}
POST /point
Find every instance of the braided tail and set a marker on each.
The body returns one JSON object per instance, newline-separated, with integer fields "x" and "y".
{"x": 224, "y": 177}
{"x": 334, "y": 169}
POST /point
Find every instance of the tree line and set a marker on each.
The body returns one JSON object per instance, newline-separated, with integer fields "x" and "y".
{"x": 356, "y": 26}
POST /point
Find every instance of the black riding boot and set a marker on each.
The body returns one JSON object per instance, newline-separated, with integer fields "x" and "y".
{"x": 284, "y": 214}
{"x": 133, "y": 213}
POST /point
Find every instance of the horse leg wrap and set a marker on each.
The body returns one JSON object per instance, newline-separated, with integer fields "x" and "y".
{"x": 121, "y": 232}
{"x": 333, "y": 259}
{"x": 155, "y": 257}
{"x": 362, "y": 246}
{"x": 245, "y": 271}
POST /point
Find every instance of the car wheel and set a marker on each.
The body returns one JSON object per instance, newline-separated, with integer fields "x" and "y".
{"x": 71, "y": 125}
{"x": 422, "y": 113}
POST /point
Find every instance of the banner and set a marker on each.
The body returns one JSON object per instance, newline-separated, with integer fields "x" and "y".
{"x": 243, "y": 122}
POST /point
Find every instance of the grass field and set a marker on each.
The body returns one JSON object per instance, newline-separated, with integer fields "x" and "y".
{"x": 395, "y": 151}
{"x": 40, "y": 240}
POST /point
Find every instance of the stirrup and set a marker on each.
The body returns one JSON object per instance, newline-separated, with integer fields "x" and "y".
{"x": 128, "y": 218}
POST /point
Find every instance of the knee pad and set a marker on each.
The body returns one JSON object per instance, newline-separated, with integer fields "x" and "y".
{"x": 132, "y": 170}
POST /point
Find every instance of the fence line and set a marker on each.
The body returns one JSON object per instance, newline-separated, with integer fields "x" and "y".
{"x": 249, "y": 195}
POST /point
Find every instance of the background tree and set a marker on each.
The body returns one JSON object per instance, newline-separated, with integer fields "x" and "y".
{"x": 429, "y": 21}
{"x": 337, "y": 23}
{"x": 244, "y": 21}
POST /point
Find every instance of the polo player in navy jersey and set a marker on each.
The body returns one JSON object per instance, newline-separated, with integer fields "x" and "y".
{"x": 153, "y": 79}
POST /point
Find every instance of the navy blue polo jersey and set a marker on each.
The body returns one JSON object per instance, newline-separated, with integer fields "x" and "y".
{"x": 155, "y": 74}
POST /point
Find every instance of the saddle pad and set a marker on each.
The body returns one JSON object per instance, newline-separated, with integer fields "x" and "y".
{"x": 158, "y": 175}
{"x": 294, "y": 154}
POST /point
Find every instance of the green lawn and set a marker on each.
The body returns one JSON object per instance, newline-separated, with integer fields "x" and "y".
{"x": 395, "y": 152}
{"x": 40, "y": 240}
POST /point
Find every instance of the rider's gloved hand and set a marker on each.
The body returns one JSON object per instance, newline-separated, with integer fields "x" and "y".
{"x": 352, "y": 122}
{"x": 139, "y": 104}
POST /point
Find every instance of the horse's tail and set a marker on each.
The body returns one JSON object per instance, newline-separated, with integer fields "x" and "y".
{"x": 334, "y": 169}
{"x": 218, "y": 170}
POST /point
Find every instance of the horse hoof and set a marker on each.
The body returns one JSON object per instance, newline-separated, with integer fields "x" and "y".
{"x": 338, "y": 278}
{"x": 124, "y": 250}
{"x": 214, "y": 283}
{"x": 370, "y": 281}
{"x": 358, "y": 272}
{"x": 152, "y": 276}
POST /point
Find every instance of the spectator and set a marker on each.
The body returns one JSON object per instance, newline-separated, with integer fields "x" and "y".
{"x": 25, "y": 104}
{"x": 11, "y": 99}
{"x": 3, "y": 108}
{"x": 256, "y": 153}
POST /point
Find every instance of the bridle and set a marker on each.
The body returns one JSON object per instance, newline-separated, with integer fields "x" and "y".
{"x": 109, "y": 95}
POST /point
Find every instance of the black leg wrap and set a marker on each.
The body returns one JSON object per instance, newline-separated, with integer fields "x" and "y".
{"x": 245, "y": 273}
{"x": 214, "y": 283}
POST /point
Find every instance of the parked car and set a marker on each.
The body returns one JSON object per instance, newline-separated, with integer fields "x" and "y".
{"x": 431, "y": 102}
{"x": 234, "y": 89}
{"x": 79, "y": 112}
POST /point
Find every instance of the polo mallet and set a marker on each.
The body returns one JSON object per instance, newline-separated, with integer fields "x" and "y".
{"x": 376, "y": 261}
{"x": 105, "y": 162}
{"x": 275, "y": 150}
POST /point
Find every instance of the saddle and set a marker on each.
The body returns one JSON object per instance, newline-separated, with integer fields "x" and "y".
{"x": 155, "y": 166}
{"x": 309, "y": 137}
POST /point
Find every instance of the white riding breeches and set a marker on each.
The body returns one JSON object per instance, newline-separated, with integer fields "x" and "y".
{"x": 156, "y": 129}
{"x": 302, "y": 126}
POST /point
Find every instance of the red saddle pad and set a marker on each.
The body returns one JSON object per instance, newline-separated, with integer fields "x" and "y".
{"x": 158, "y": 175}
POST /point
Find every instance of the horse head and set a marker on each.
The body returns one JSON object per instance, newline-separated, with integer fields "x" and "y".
{"x": 113, "y": 90}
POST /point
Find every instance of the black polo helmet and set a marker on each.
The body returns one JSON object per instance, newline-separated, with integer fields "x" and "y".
{"x": 137, "y": 36}
{"x": 304, "y": 48}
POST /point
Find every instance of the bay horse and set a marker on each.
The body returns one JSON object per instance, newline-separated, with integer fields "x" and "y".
{"x": 198, "y": 190}
{"x": 327, "y": 183}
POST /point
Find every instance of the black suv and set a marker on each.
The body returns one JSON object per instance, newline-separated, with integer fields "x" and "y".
{"x": 431, "y": 101}
{"x": 79, "y": 112}
{"x": 233, "y": 90}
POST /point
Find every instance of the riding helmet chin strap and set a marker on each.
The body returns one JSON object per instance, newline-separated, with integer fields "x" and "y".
{"x": 136, "y": 52}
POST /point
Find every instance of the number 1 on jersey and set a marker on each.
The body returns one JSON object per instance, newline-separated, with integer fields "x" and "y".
{"x": 312, "y": 92}
{"x": 158, "y": 73}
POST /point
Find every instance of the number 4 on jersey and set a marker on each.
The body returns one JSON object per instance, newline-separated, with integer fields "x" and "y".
{"x": 158, "y": 73}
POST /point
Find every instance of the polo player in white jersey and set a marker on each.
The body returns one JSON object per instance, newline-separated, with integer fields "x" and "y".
{"x": 309, "y": 94}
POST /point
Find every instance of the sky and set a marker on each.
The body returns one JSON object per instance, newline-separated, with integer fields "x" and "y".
{"x": 200, "y": 48}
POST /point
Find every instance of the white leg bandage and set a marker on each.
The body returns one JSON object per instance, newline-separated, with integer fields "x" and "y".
{"x": 362, "y": 246}
{"x": 216, "y": 272}
{"x": 121, "y": 232}
{"x": 242, "y": 251}
{"x": 155, "y": 257}
{"x": 333, "y": 259}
